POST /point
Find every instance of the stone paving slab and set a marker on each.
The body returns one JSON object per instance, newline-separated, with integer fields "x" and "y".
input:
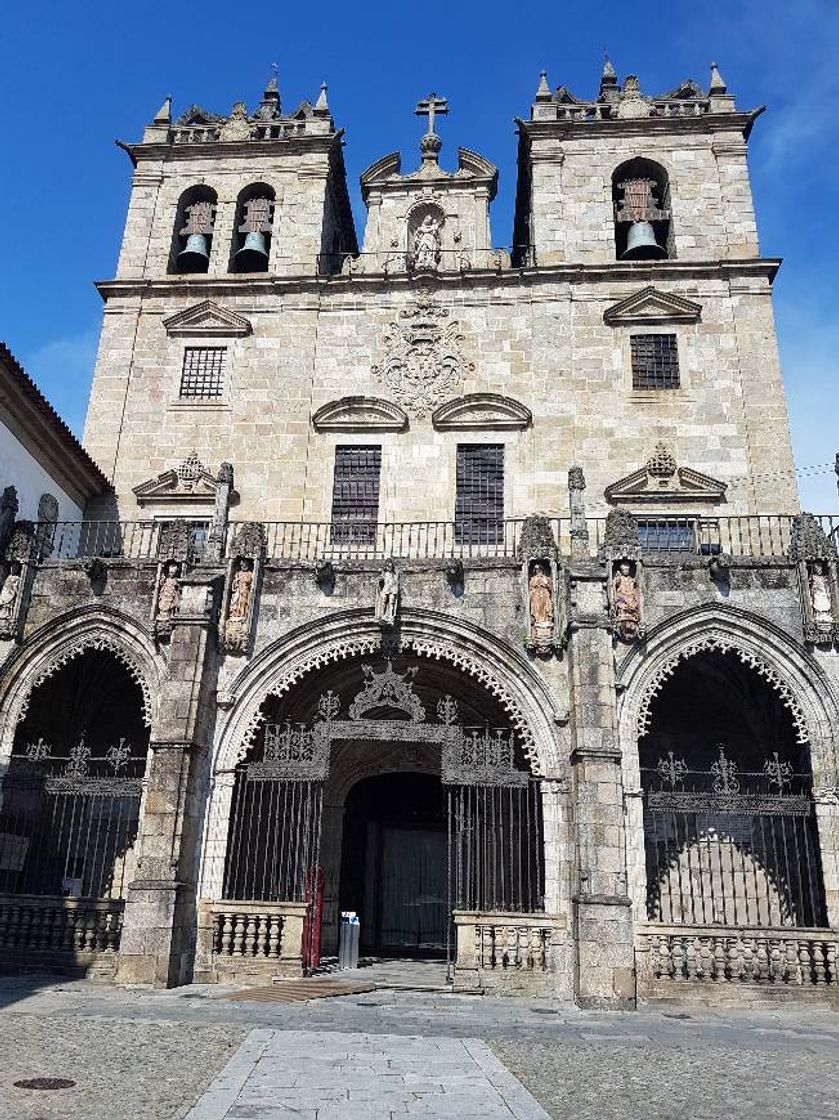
{"x": 339, "y": 1075}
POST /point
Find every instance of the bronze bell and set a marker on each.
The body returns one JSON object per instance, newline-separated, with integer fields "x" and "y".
{"x": 194, "y": 257}
{"x": 253, "y": 256}
{"x": 641, "y": 244}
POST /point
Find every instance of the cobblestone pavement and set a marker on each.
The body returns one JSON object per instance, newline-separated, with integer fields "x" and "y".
{"x": 150, "y": 1055}
{"x": 335, "y": 1075}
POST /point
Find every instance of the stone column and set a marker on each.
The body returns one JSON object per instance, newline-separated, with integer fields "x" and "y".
{"x": 602, "y": 908}
{"x": 158, "y": 935}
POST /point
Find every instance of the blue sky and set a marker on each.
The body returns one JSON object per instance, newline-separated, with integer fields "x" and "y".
{"x": 76, "y": 76}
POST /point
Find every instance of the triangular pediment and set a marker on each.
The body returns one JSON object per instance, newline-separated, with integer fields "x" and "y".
{"x": 662, "y": 480}
{"x": 651, "y": 305}
{"x": 189, "y": 482}
{"x": 209, "y": 320}
{"x": 360, "y": 414}
{"x": 481, "y": 410}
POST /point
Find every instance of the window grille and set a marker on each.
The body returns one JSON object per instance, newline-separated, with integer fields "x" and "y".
{"x": 355, "y": 494}
{"x": 667, "y": 535}
{"x": 203, "y": 371}
{"x": 655, "y": 361}
{"x": 479, "y": 504}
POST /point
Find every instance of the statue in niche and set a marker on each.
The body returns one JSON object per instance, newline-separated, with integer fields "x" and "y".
{"x": 540, "y": 587}
{"x": 235, "y": 628}
{"x": 427, "y": 241}
{"x": 8, "y": 596}
{"x": 626, "y": 602}
{"x": 387, "y": 595}
{"x": 820, "y": 595}
{"x": 168, "y": 598}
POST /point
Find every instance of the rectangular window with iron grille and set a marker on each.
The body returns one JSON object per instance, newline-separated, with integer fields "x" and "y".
{"x": 355, "y": 494}
{"x": 479, "y": 503}
{"x": 202, "y": 376}
{"x": 655, "y": 361}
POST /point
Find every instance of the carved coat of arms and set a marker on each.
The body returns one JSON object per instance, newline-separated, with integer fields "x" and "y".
{"x": 424, "y": 363}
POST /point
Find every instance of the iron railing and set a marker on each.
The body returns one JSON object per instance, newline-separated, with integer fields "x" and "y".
{"x": 751, "y": 535}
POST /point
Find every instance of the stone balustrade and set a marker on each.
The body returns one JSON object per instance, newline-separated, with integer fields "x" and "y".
{"x": 504, "y": 951}
{"x": 72, "y": 933}
{"x": 249, "y": 940}
{"x": 671, "y": 957}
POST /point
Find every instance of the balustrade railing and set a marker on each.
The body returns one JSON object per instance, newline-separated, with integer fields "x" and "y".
{"x": 800, "y": 958}
{"x": 755, "y": 535}
{"x": 448, "y": 260}
{"x": 53, "y": 924}
{"x": 242, "y": 930}
{"x": 495, "y": 950}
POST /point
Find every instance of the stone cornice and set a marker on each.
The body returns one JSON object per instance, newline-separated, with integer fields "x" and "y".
{"x": 616, "y": 271}
{"x": 240, "y": 149}
{"x": 644, "y": 126}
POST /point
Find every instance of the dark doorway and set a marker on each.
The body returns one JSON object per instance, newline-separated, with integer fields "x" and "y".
{"x": 393, "y": 864}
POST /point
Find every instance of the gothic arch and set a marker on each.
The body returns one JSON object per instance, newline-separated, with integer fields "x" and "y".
{"x": 787, "y": 668}
{"x": 472, "y": 650}
{"x": 62, "y": 640}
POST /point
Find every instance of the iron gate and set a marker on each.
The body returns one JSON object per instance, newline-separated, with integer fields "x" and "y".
{"x": 731, "y": 847}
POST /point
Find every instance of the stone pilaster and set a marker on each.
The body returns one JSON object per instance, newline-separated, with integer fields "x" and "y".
{"x": 602, "y": 908}
{"x": 158, "y": 935}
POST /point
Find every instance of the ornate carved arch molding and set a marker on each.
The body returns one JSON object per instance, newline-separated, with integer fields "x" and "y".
{"x": 44, "y": 656}
{"x": 239, "y": 734}
{"x": 722, "y": 644}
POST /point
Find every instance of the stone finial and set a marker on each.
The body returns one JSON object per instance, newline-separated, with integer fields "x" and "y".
{"x": 661, "y": 463}
{"x": 269, "y": 107}
{"x": 322, "y": 105}
{"x": 250, "y": 541}
{"x": 808, "y": 540}
{"x": 431, "y": 107}
{"x": 621, "y": 538}
{"x": 225, "y": 474}
{"x": 576, "y": 478}
{"x": 164, "y": 113}
{"x": 608, "y": 79}
{"x": 543, "y": 91}
{"x": 537, "y": 541}
{"x": 718, "y": 85}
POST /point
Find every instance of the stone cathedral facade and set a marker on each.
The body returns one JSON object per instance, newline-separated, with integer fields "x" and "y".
{"x": 461, "y": 587}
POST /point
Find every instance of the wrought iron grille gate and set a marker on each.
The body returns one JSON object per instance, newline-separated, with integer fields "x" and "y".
{"x": 731, "y": 847}
{"x": 68, "y": 823}
{"x": 495, "y": 851}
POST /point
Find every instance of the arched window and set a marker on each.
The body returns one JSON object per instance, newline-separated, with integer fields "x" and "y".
{"x": 729, "y": 823}
{"x": 252, "y": 233}
{"x": 194, "y": 224}
{"x": 641, "y": 197}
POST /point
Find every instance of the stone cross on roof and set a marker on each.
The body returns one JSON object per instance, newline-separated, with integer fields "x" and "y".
{"x": 430, "y": 107}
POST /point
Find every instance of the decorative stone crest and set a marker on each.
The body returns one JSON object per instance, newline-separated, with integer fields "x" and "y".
{"x": 537, "y": 538}
{"x": 808, "y": 540}
{"x": 387, "y": 596}
{"x": 388, "y": 689}
{"x": 237, "y": 126}
{"x": 175, "y": 541}
{"x": 621, "y": 539}
{"x": 423, "y": 361}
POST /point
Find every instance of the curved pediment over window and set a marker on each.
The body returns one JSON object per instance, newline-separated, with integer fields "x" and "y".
{"x": 360, "y": 414}
{"x": 481, "y": 410}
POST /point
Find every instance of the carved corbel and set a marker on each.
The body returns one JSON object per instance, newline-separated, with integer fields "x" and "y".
{"x": 621, "y": 551}
{"x": 241, "y": 589}
{"x": 814, "y": 554}
{"x": 455, "y": 575}
{"x": 540, "y": 578}
{"x": 19, "y": 573}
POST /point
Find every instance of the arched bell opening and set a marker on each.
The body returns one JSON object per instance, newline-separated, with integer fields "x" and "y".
{"x": 730, "y": 831}
{"x": 380, "y": 782}
{"x": 641, "y": 201}
{"x": 192, "y": 238}
{"x": 253, "y": 229}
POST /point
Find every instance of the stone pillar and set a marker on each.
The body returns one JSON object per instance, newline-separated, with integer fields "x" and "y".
{"x": 602, "y": 909}
{"x": 827, "y": 820}
{"x": 577, "y": 506}
{"x": 217, "y": 536}
{"x": 158, "y": 936}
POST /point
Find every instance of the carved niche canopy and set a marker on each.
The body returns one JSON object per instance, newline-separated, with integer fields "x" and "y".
{"x": 661, "y": 479}
{"x": 651, "y": 305}
{"x": 360, "y": 414}
{"x": 189, "y": 482}
{"x": 481, "y": 410}
{"x": 207, "y": 320}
